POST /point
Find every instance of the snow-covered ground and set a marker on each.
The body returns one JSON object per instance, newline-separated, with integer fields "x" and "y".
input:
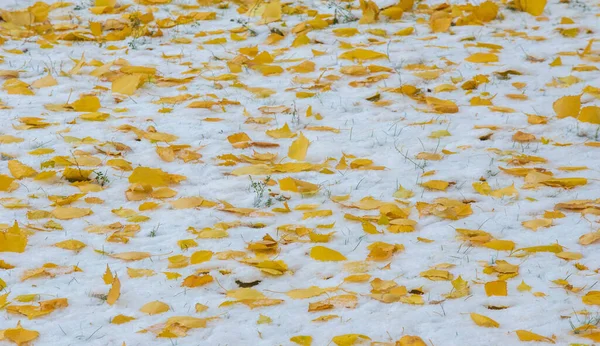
{"x": 431, "y": 158}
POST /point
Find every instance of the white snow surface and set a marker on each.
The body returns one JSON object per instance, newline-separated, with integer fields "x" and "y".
{"x": 382, "y": 134}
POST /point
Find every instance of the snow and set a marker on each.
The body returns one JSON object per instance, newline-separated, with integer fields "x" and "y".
{"x": 382, "y": 134}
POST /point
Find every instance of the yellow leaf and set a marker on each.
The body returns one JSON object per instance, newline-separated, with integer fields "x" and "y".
{"x": 410, "y": 340}
{"x": 298, "y": 148}
{"x": 20, "y": 336}
{"x": 262, "y": 319}
{"x": 482, "y": 58}
{"x": 108, "y": 276}
{"x": 484, "y": 321}
{"x": 305, "y": 293}
{"x": 68, "y": 213}
{"x": 245, "y": 293}
{"x": 537, "y": 223}
{"x": 393, "y": 12}
{"x": 191, "y": 202}
{"x": 6, "y": 183}
{"x": 40, "y": 151}
{"x": 533, "y": 7}
{"x": 302, "y": 340}
{"x": 437, "y": 275}
{"x": 295, "y": 185}
{"x": 500, "y": 245}
{"x": 7, "y": 139}
{"x": 554, "y": 248}
{"x": 44, "y": 82}
{"x": 154, "y": 177}
{"x": 172, "y": 275}
{"x": 362, "y": 54}
{"x": 154, "y": 308}
{"x": 405, "y": 31}
{"x": 138, "y": 273}
{"x": 436, "y": 185}
{"x": 185, "y": 244}
{"x": 197, "y": 280}
{"x": 590, "y": 114}
{"x": 525, "y": 335}
{"x": 14, "y": 86}
{"x": 94, "y": 116}
{"x": 321, "y": 253}
{"x": 567, "y": 106}
{"x": 523, "y": 287}
{"x": 589, "y": 238}
{"x": 115, "y": 292}
{"x": 349, "y": 339}
{"x": 201, "y": 256}
{"x": 200, "y": 307}
{"x": 271, "y": 13}
{"x": 495, "y": 288}
{"x": 126, "y": 84}
{"x": 345, "y": 32}
{"x": 120, "y": 319}
{"x": 403, "y": 193}
{"x": 20, "y": 170}
{"x": 283, "y": 132}
{"x": 86, "y": 103}
{"x": 72, "y": 244}
{"x": 131, "y": 256}
{"x": 440, "y": 21}
{"x": 441, "y": 106}
{"x": 591, "y": 298}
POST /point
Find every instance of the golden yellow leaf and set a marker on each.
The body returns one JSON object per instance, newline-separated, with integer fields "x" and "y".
{"x": 115, "y": 292}
{"x": 44, "y": 82}
{"x": 154, "y": 308}
{"x": 525, "y": 335}
{"x": 201, "y": 256}
{"x": 138, "y": 273}
{"x": 298, "y": 148}
{"x": 495, "y": 288}
{"x": 482, "y": 58}
{"x": 121, "y": 319}
{"x": 440, "y": 21}
{"x": 591, "y": 298}
{"x": 590, "y": 114}
{"x": 108, "y": 276}
{"x": 537, "y": 223}
{"x": 72, "y": 244}
{"x": 410, "y": 340}
{"x": 302, "y": 340}
{"x": 68, "y": 213}
{"x": 295, "y": 185}
{"x": 567, "y": 106}
{"x": 86, "y": 103}
{"x": 131, "y": 256}
{"x": 20, "y": 336}
{"x": 500, "y": 245}
{"x": 126, "y": 84}
{"x": 321, "y": 253}
{"x": 197, "y": 280}
{"x": 349, "y": 339}
{"x": 533, "y": 7}
{"x": 20, "y": 170}
{"x": 484, "y": 321}
{"x": 436, "y": 185}
{"x": 304, "y": 293}
{"x": 362, "y": 54}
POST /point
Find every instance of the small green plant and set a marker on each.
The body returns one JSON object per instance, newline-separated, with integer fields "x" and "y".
{"x": 101, "y": 178}
{"x": 154, "y": 231}
{"x": 259, "y": 188}
{"x": 137, "y": 30}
